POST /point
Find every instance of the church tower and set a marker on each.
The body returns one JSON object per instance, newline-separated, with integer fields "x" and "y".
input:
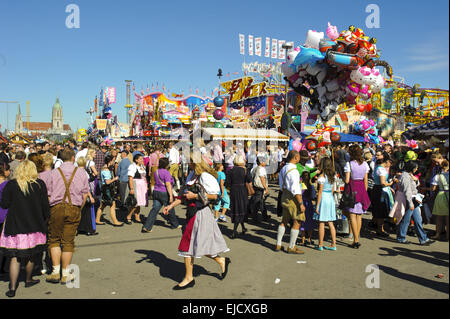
{"x": 19, "y": 123}
{"x": 57, "y": 117}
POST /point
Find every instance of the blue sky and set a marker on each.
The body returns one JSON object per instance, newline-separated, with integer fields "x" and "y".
{"x": 183, "y": 43}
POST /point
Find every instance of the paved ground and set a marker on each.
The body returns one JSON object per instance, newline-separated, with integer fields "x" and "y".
{"x": 136, "y": 265}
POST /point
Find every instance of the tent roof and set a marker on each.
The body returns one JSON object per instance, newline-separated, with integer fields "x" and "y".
{"x": 244, "y": 134}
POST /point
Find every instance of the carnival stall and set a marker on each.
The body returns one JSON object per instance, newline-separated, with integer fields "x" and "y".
{"x": 236, "y": 134}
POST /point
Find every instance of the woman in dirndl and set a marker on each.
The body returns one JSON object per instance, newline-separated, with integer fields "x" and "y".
{"x": 138, "y": 187}
{"x": 382, "y": 195}
{"x": 356, "y": 180}
{"x": 23, "y": 236}
{"x": 440, "y": 209}
{"x": 201, "y": 236}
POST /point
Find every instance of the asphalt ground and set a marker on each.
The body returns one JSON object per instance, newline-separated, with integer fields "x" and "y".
{"x": 123, "y": 263}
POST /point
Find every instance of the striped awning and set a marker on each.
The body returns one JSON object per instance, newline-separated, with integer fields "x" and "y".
{"x": 244, "y": 134}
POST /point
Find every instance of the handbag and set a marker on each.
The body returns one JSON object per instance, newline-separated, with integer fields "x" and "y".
{"x": 348, "y": 200}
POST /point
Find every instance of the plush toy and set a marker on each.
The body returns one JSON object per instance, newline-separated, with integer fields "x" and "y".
{"x": 308, "y": 55}
{"x": 332, "y": 32}
{"x": 313, "y": 38}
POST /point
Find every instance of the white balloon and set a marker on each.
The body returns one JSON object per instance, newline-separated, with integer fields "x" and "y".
{"x": 313, "y": 38}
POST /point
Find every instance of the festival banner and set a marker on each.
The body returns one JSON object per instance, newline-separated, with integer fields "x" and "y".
{"x": 281, "y": 51}
{"x": 250, "y": 44}
{"x": 111, "y": 94}
{"x": 267, "y": 50}
{"x": 274, "y": 48}
{"x": 244, "y": 88}
{"x": 258, "y": 47}
{"x": 242, "y": 44}
{"x": 100, "y": 124}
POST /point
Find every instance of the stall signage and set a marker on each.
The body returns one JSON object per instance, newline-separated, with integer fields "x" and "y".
{"x": 244, "y": 88}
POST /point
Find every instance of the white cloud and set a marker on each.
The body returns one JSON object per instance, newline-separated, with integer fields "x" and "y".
{"x": 428, "y": 56}
{"x": 427, "y": 67}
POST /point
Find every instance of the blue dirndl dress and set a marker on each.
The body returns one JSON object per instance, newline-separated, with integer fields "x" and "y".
{"x": 327, "y": 205}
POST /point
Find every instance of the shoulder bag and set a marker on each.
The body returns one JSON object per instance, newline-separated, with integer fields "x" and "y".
{"x": 348, "y": 198}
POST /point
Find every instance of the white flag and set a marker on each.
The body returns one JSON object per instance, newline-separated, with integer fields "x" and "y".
{"x": 281, "y": 51}
{"x": 267, "y": 51}
{"x": 258, "y": 48}
{"x": 242, "y": 43}
{"x": 250, "y": 44}
{"x": 274, "y": 48}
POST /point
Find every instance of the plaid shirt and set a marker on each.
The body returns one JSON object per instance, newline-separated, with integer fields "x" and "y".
{"x": 99, "y": 160}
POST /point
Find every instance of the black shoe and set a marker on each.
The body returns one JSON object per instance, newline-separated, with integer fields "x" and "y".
{"x": 31, "y": 283}
{"x": 11, "y": 293}
{"x": 355, "y": 245}
{"x": 227, "y": 262}
{"x": 92, "y": 234}
{"x": 244, "y": 231}
{"x": 144, "y": 230}
{"x": 189, "y": 285}
{"x": 120, "y": 225}
{"x": 128, "y": 222}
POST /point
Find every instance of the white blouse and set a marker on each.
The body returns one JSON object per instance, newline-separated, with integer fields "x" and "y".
{"x": 208, "y": 181}
{"x": 133, "y": 168}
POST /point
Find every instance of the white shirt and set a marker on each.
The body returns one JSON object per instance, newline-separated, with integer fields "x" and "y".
{"x": 381, "y": 171}
{"x": 82, "y": 153}
{"x": 133, "y": 168}
{"x": 174, "y": 156}
{"x": 229, "y": 159}
{"x": 280, "y": 154}
{"x": 261, "y": 172}
{"x": 58, "y": 163}
{"x": 292, "y": 179}
{"x": 310, "y": 163}
{"x": 208, "y": 181}
{"x": 251, "y": 157}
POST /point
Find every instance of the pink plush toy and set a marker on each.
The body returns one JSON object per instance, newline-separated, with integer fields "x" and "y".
{"x": 332, "y": 32}
{"x": 365, "y": 125}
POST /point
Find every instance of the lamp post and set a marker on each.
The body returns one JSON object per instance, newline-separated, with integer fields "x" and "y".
{"x": 219, "y": 75}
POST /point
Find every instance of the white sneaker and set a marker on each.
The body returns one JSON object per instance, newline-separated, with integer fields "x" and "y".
{"x": 223, "y": 218}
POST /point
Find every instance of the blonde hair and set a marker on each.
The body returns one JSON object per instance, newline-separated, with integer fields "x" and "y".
{"x": 26, "y": 173}
{"x": 436, "y": 156}
{"x": 81, "y": 161}
{"x": 368, "y": 156}
{"x": 90, "y": 154}
{"x": 239, "y": 160}
{"x": 204, "y": 167}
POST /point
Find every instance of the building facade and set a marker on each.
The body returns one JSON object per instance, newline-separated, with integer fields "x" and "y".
{"x": 55, "y": 127}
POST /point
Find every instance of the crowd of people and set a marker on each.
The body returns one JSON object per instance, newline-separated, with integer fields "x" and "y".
{"x": 50, "y": 193}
